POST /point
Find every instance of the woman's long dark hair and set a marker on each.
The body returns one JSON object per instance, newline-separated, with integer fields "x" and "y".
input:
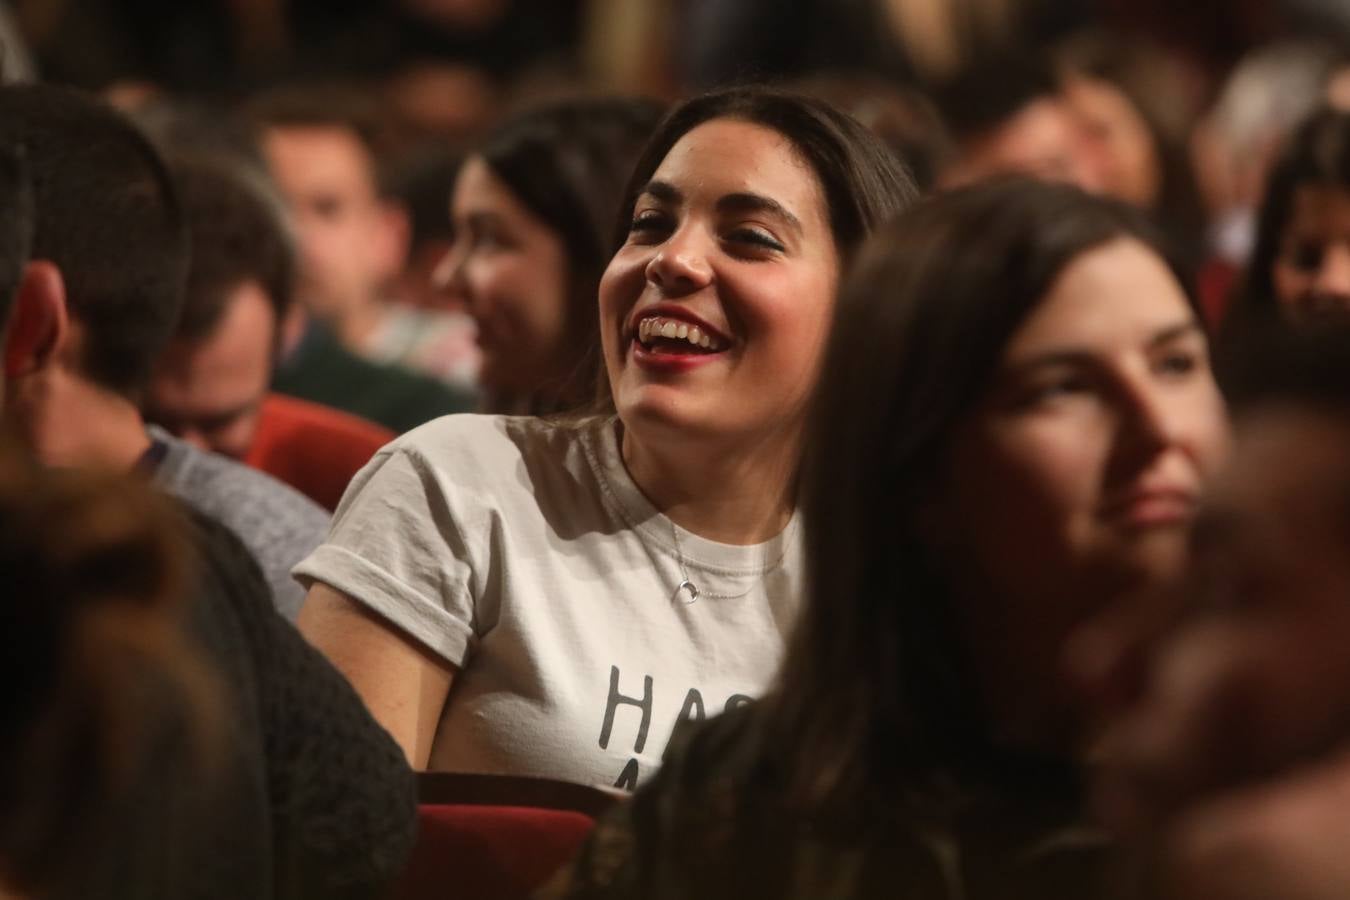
{"x": 1318, "y": 154}
{"x": 568, "y": 162}
{"x": 874, "y": 690}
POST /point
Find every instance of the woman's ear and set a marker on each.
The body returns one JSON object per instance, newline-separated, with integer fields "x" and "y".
{"x": 38, "y": 323}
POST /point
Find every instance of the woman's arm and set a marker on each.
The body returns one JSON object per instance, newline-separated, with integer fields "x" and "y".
{"x": 403, "y": 684}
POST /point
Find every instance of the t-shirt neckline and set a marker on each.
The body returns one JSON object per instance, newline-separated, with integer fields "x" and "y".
{"x": 601, "y": 442}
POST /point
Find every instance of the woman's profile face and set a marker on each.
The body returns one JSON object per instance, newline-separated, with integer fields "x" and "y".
{"x": 1311, "y": 272}
{"x": 511, "y": 270}
{"x": 1079, "y": 472}
{"x": 715, "y": 310}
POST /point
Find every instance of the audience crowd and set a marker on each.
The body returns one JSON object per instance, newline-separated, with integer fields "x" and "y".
{"x": 898, "y": 452}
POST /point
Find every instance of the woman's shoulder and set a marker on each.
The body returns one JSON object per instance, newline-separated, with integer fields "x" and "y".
{"x": 504, "y": 461}
{"x": 487, "y": 441}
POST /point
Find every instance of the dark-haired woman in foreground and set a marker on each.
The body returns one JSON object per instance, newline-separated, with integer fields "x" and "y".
{"x": 534, "y": 597}
{"x": 1014, "y": 423}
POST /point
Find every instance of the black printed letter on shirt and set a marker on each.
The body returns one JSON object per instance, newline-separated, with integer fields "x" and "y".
{"x": 616, "y": 700}
{"x": 693, "y": 707}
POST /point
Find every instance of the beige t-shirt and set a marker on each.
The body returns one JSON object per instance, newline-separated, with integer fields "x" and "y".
{"x": 523, "y": 553}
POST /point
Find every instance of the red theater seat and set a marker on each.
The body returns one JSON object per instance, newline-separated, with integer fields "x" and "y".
{"x": 495, "y": 837}
{"x": 315, "y": 449}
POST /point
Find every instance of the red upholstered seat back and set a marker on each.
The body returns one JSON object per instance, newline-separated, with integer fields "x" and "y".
{"x": 315, "y": 449}
{"x": 495, "y": 837}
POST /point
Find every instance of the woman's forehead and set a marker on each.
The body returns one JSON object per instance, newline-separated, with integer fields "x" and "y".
{"x": 724, "y": 156}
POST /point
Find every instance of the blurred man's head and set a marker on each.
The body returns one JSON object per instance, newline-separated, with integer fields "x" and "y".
{"x": 108, "y": 244}
{"x": 1008, "y": 116}
{"x": 320, "y": 147}
{"x": 209, "y": 384}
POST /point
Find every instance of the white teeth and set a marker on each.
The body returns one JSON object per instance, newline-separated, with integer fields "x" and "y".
{"x": 670, "y": 329}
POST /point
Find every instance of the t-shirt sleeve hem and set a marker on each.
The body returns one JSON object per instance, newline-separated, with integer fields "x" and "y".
{"x": 402, "y": 606}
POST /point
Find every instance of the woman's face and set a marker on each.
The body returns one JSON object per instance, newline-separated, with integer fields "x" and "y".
{"x": 511, "y": 270}
{"x": 1119, "y": 138}
{"x": 715, "y": 310}
{"x": 1311, "y": 273}
{"x": 1078, "y": 474}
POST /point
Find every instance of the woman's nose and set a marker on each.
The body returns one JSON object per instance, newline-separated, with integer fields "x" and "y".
{"x": 681, "y": 265}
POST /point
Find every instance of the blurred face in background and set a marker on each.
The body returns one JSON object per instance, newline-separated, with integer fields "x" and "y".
{"x": 209, "y": 392}
{"x": 1311, "y": 273}
{"x": 510, "y": 269}
{"x": 1271, "y": 556}
{"x": 1043, "y": 139}
{"x": 1078, "y": 475}
{"x": 351, "y": 241}
{"x": 1120, "y": 139}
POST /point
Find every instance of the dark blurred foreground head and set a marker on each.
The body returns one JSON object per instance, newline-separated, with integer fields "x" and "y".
{"x": 1229, "y": 768}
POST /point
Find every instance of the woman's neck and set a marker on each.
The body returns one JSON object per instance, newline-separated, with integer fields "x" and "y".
{"x": 725, "y": 494}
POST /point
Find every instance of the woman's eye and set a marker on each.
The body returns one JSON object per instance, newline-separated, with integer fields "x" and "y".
{"x": 648, "y": 223}
{"x": 1305, "y": 256}
{"x": 756, "y": 238}
{"x": 485, "y": 240}
{"x": 1055, "y": 389}
{"x": 1178, "y": 363}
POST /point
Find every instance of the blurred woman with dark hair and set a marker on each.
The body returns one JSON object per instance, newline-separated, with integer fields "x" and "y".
{"x": 1300, "y": 265}
{"x": 1013, "y": 426}
{"x": 533, "y": 211}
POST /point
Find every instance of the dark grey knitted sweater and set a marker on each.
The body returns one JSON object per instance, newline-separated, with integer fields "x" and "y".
{"x": 308, "y": 796}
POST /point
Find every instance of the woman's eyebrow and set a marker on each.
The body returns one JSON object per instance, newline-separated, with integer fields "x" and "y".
{"x": 1071, "y": 355}
{"x": 748, "y": 202}
{"x": 741, "y": 202}
{"x": 663, "y": 191}
{"x": 1172, "y": 332}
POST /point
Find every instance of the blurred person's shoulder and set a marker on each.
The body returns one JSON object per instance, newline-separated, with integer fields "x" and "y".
{"x": 277, "y": 523}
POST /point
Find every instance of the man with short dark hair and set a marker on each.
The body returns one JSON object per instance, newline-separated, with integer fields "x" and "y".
{"x": 211, "y": 386}
{"x": 307, "y": 795}
{"x": 322, "y": 146}
{"x": 110, "y": 248}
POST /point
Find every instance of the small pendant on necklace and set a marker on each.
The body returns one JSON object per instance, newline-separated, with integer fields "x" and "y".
{"x": 688, "y": 586}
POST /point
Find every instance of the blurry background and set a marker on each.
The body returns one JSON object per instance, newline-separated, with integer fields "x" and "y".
{"x": 1199, "y": 95}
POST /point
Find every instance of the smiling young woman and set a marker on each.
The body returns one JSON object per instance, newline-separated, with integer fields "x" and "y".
{"x": 553, "y": 597}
